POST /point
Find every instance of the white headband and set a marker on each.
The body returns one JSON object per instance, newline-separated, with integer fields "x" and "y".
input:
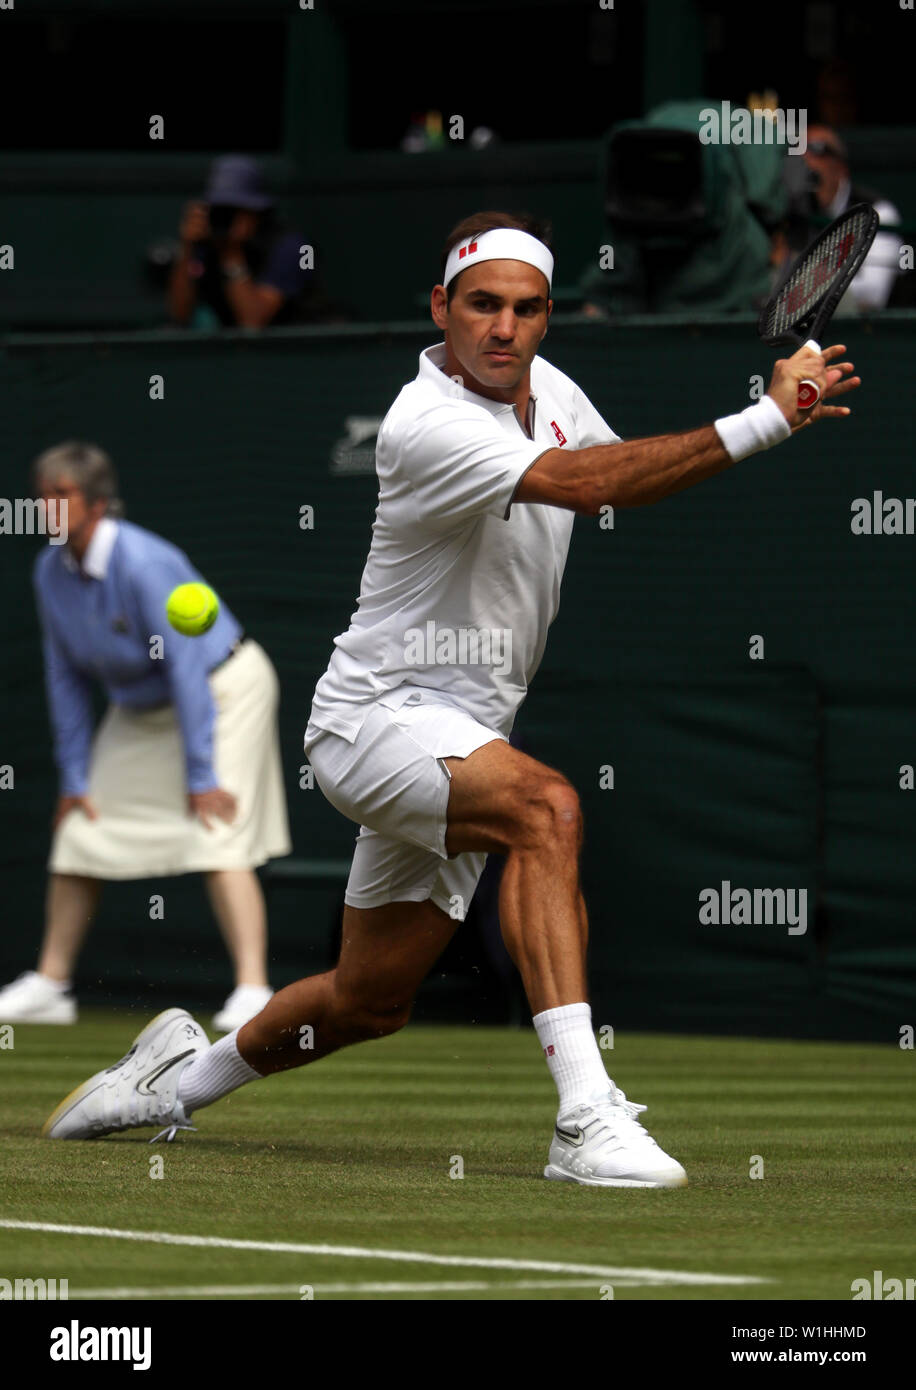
{"x": 502, "y": 244}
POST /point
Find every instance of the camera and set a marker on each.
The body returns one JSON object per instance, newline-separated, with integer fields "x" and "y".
{"x": 654, "y": 182}
{"x": 801, "y": 183}
{"x": 221, "y": 216}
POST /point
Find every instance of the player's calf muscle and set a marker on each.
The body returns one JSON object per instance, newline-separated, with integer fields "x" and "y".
{"x": 315, "y": 1017}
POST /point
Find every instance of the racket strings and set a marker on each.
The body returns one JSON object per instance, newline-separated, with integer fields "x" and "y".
{"x": 815, "y": 277}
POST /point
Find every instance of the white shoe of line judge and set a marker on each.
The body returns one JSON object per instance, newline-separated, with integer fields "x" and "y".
{"x": 34, "y": 998}
{"x": 245, "y": 1002}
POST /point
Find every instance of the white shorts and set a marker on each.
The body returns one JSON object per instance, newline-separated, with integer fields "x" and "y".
{"x": 392, "y": 781}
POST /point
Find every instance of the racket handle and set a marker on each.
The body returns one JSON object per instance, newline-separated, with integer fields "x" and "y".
{"x": 808, "y": 391}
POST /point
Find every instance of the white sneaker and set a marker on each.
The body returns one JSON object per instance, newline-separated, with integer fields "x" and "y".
{"x": 33, "y": 998}
{"x": 602, "y": 1144}
{"x": 141, "y": 1089}
{"x": 245, "y": 1002}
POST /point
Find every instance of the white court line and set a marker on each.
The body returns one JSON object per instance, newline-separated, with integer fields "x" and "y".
{"x": 251, "y": 1290}
{"x": 357, "y": 1252}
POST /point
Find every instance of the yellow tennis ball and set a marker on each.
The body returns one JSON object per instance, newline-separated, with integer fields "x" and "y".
{"x": 192, "y": 609}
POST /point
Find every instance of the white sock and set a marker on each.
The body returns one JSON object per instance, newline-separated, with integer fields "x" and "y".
{"x": 214, "y": 1074}
{"x": 572, "y": 1054}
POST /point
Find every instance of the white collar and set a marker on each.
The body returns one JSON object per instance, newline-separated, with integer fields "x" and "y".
{"x": 98, "y": 551}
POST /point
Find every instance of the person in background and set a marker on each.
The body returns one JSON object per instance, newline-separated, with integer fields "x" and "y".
{"x": 237, "y": 265}
{"x": 834, "y": 191}
{"x": 183, "y": 773}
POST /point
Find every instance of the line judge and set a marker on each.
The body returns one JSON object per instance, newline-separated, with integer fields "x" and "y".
{"x": 183, "y": 773}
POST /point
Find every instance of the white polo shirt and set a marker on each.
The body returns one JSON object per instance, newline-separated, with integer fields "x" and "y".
{"x": 460, "y": 585}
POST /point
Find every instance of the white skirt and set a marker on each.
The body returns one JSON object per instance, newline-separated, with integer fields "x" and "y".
{"x": 137, "y": 783}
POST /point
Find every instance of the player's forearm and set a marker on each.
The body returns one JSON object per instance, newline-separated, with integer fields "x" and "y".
{"x": 638, "y": 472}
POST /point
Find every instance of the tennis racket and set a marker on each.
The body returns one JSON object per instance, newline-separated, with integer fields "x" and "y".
{"x": 805, "y": 302}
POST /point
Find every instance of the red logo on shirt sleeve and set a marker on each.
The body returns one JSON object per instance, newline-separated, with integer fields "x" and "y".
{"x": 561, "y": 437}
{"x": 548, "y": 1050}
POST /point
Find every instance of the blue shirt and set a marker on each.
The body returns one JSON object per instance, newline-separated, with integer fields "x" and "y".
{"x": 97, "y": 625}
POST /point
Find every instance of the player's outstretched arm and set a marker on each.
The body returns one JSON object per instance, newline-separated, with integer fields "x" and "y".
{"x": 638, "y": 472}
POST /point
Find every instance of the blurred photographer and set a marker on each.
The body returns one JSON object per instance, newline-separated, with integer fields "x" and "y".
{"x": 237, "y": 265}
{"x": 822, "y": 187}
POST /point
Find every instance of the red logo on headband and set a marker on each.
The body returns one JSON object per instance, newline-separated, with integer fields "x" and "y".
{"x": 561, "y": 437}
{"x": 467, "y": 250}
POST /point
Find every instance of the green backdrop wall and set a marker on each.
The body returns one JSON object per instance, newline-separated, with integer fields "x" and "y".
{"x": 773, "y": 773}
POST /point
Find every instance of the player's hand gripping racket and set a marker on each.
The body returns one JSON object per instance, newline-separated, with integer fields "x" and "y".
{"x": 805, "y": 302}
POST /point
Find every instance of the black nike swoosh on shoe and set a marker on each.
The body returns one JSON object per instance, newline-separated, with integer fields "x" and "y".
{"x": 126, "y": 1058}
{"x": 576, "y": 1138}
{"x": 144, "y": 1085}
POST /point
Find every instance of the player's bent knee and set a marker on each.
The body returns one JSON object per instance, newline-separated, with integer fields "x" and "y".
{"x": 551, "y": 815}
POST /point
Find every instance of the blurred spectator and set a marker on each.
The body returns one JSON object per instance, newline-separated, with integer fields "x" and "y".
{"x": 826, "y": 155}
{"x": 182, "y": 774}
{"x": 828, "y": 191}
{"x": 424, "y": 133}
{"x": 238, "y": 266}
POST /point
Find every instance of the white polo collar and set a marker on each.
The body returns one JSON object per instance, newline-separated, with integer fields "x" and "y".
{"x": 98, "y": 551}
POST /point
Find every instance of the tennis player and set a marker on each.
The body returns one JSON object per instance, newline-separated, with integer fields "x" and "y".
{"x": 483, "y": 461}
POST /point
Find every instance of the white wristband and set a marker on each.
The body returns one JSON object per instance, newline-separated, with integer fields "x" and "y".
{"x": 759, "y": 427}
